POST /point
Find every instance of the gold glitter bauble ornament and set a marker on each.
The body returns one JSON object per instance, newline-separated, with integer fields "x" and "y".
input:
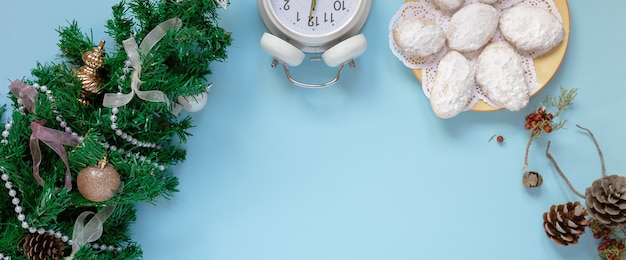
{"x": 88, "y": 74}
{"x": 98, "y": 183}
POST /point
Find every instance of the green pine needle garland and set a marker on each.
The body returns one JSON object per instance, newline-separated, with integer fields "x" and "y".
{"x": 178, "y": 66}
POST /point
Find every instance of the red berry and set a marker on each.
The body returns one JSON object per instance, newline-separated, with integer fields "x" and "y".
{"x": 613, "y": 242}
{"x": 549, "y": 116}
{"x": 528, "y": 126}
{"x": 597, "y": 235}
{"x": 612, "y": 256}
{"x": 500, "y": 139}
{"x": 538, "y": 117}
{"x": 547, "y": 128}
{"x": 541, "y": 110}
{"x": 620, "y": 246}
{"x": 606, "y": 231}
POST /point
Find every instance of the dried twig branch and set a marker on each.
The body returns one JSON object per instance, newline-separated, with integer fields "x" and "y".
{"x": 597, "y": 147}
{"x": 558, "y": 169}
{"x": 530, "y": 141}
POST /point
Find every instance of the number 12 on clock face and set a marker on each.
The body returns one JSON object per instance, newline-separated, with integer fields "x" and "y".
{"x": 314, "y": 16}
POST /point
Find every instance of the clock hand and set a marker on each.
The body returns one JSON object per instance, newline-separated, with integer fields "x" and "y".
{"x": 312, "y": 8}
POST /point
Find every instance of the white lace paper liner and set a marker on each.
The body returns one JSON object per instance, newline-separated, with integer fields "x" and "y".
{"x": 428, "y": 65}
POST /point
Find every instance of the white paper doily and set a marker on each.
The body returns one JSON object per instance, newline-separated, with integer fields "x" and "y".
{"x": 428, "y": 65}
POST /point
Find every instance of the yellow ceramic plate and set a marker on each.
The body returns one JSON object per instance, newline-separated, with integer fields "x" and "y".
{"x": 546, "y": 65}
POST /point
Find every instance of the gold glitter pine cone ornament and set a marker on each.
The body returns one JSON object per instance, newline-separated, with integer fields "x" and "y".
{"x": 606, "y": 200}
{"x": 88, "y": 73}
{"x": 565, "y": 223}
{"x": 43, "y": 246}
{"x": 98, "y": 183}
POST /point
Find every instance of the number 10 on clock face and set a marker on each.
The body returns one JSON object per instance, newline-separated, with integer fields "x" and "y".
{"x": 314, "y": 17}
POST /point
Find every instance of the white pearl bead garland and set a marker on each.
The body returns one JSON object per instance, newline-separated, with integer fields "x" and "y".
{"x": 63, "y": 124}
{"x": 13, "y": 193}
{"x": 5, "y": 133}
{"x": 14, "y": 199}
{"x": 22, "y": 218}
{"x": 127, "y": 137}
{"x": 137, "y": 156}
{"x": 128, "y": 65}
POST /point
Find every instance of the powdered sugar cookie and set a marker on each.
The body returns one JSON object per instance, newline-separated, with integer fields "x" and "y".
{"x": 448, "y": 5}
{"x": 451, "y": 92}
{"x": 419, "y": 37}
{"x": 531, "y": 28}
{"x": 472, "y": 27}
{"x": 500, "y": 76}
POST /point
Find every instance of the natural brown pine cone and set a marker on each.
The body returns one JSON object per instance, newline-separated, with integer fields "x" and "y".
{"x": 532, "y": 179}
{"x": 606, "y": 200}
{"x": 43, "y": 246}
{"x": 565, "y": 223}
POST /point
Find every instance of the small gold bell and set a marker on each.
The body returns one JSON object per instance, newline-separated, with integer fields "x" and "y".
{"x": 88, "y": 73}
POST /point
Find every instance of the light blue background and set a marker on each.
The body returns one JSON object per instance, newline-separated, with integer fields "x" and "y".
{"x": 363, "y": 169}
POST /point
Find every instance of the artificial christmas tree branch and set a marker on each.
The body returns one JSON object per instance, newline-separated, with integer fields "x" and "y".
{"x": 139, "y": 139}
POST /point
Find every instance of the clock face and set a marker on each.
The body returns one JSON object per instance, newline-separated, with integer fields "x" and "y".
{"x": 314, "y": 17}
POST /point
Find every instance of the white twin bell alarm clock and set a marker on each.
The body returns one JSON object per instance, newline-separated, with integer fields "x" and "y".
{"x": 329, "y": 27}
